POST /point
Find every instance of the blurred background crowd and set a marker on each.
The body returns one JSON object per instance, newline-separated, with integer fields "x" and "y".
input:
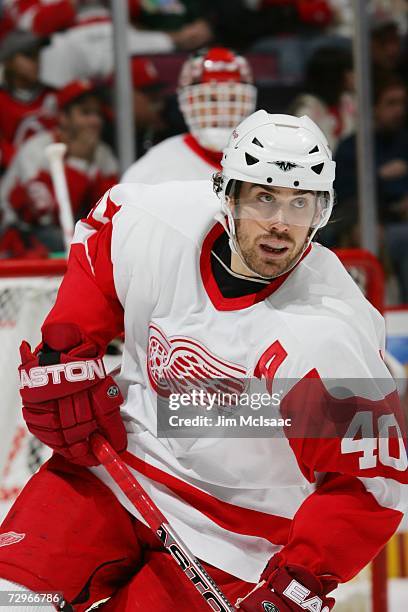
{"x": 198, "y": 67}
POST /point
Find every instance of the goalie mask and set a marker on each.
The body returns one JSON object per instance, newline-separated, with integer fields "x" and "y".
{"x": 277, "y": 151}
{"x": 215, "y": 93}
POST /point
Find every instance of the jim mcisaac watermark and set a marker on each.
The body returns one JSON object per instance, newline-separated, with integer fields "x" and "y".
{"x": 306, "y": 408}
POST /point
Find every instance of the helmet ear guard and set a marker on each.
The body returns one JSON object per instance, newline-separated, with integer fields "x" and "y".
{"x": 222, "y": 186}
{"x": 218, "y": 181}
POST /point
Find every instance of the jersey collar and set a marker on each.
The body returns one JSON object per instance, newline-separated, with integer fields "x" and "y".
{"x": 213, "y": 158}
{"x": 210, "y": 284}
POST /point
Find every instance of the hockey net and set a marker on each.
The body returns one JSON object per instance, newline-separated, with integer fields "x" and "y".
{"x": 27, "y": 292}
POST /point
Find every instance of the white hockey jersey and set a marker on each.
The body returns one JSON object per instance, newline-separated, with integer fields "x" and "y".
{"x": 141, "y": 262}
{"x": 179, "y": 158}
{"x": 84, "y": 51}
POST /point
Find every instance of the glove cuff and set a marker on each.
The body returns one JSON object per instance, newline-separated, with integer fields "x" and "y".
{"x": 62, "y": 337}
{"x": 296, "y": 584}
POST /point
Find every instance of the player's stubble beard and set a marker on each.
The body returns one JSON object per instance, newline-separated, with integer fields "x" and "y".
{"x": 263, "y": 265}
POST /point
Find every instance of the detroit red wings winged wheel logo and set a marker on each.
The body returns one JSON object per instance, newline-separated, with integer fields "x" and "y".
{"x": 11, "y": 537}
{"x": 177, "y": 364}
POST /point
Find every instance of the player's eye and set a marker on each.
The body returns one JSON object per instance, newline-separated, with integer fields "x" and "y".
{"x": 299, "y": 203}
{"x": 266, "y": 198}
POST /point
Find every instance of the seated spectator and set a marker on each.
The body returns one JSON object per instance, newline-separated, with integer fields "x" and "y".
{"x": 290, "y": 29}
{"x": 26, "y": 105}
{"x": 386, "y": 43}
{"x": 41, "y": 17}
{"x": 242, "y": 23}
{"x": 27, "y": 194}
{"x": 186, "y": 22}
{"x": 149, "y": 105}
{"x": 85, "y": 49}
{"x": 215, "y": 94}
{"x": 343, "y": 18}
{"x": 328, "y": 96}
{"x": 391, "y": 162}
{"x": 343, "y": 10}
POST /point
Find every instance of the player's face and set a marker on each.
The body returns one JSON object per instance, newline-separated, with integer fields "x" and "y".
{"x": 215, "y": 107}
{"x": 219, "y": 104}
{"x": 272, "y": 225}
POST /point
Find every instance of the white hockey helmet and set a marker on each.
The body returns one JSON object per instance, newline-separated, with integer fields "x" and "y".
{"x": 281, "y": 151}
{"x": 215, "y": 93}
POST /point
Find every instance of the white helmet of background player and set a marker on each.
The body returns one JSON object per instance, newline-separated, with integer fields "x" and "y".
{"x": 278, "y": 151}
{"x": 215, "y": 93}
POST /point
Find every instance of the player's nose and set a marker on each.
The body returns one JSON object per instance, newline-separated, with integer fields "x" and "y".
{"x": 278, "y": 221}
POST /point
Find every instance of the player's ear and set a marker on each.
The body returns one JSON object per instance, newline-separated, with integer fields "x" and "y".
{"x": 229, "y": 199}
{"x": 230, "y": 202}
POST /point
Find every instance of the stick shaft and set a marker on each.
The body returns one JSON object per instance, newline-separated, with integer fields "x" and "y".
{"x": 186, "y": 561}
{"x": 55, "y": 154}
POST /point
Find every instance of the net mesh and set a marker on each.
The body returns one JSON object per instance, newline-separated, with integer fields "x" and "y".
{"x": 24, "y": 303}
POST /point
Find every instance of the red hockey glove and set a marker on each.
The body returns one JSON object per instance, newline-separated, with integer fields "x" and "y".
{"x": 287, "y": 589}
{"x": 67, "y": 395}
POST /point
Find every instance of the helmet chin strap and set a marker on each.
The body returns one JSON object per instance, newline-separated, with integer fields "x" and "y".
{"x": 235, "y": 248}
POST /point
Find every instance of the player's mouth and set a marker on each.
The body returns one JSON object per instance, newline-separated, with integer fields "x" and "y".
{"x": 275, "y": 250}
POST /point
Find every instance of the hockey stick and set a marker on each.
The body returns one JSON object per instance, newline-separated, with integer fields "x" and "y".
{"x": 190, "y": 566}
{"x": 55, "y": 154}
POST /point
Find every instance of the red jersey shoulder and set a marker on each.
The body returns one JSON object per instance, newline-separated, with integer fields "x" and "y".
{"x": 14, "y": 111}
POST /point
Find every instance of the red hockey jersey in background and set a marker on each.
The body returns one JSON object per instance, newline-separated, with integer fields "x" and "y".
{"x": 21, "y": 116}
{"x": 27, "y": 193}
{"x": 42, "y": 17}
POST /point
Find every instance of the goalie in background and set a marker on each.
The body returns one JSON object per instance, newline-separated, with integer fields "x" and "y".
{"x": 215, "y": 93}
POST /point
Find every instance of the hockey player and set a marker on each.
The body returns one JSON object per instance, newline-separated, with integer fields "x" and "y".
{"x": 245, "y": 295}
{"x": 215, "y": 93}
